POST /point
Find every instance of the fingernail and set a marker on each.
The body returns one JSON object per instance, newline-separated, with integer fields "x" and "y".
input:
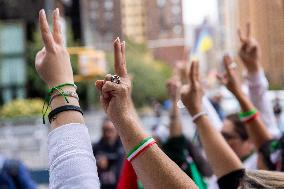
{"x": 118, "y": 39}
{"x": 57, "y": 11}
{"x": 42, "y": 12}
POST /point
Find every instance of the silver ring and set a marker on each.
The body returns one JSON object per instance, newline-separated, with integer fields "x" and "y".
{"x": 115, "y": 79}
{"x": 233, "y": 65}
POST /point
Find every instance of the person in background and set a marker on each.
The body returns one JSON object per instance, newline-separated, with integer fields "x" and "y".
{"x": 216, "y": 102}
{"x": 250, "y": 55}
{"x": 177, "y": 147}
{"x": 277, "y": 109}
{"x": 224, "y": 162}
{"x": 14, "y": 175}
{"x": 109, "y": 154}
{"x": 234, "y": 132}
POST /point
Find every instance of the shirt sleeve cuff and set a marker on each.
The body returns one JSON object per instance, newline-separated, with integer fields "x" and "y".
{"x": 257, "y": 78}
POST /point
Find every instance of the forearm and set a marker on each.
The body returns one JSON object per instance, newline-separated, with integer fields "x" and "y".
{"x": 164, "y": 173}
{"x": 256, "y": 129}
{"x": 71, "y": 160}
{"x": 220, "y": 156}
{"x": 175, "y": 122}
{"x": 258, "y": 93}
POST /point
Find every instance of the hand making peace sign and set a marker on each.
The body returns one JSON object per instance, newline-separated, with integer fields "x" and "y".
{"x": 250, "y": 50}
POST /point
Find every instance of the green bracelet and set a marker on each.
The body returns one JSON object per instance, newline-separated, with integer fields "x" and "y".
{"x": 50, "y": 91}
{"x": 247, "y": 114}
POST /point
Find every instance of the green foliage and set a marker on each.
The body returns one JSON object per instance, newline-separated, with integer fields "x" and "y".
{"x": 22, "y": 108}
{"x": 148, "y": 75}
{"x": 35, "y": 86}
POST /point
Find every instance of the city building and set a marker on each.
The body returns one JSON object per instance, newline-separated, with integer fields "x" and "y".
{"x": 267, "y": 23}
{"x": 101, "y": 21}
{"x": 158, "y": 23}
{"x": 133, "y": 20}
{"x": 165, "y": 31}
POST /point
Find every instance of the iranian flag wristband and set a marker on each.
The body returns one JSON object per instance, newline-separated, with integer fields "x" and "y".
{"x": 244, "y": 115}
{"x": 251, "y": 118}
{"x": 140, "y": 148}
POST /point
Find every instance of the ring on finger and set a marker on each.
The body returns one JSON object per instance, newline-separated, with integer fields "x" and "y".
{"x": 115, "y": 79}
{"x": 233, "y": 65}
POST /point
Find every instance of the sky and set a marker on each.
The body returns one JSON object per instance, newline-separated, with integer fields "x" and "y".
{"x": 194, "y": 11}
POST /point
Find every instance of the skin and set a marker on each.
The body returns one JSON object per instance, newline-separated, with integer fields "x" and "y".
{"x": 54, "y": 67}
{"x": 173, "y": 86}
{"x": 214, "y": 144}
{"x": 153, "y": 167}
{"x": 240, "y": 147}
{"x": 249, "y": 51}
{"x": 256, "y": 129}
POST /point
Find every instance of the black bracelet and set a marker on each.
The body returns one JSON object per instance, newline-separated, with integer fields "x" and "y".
{"x": 60, "y": 109}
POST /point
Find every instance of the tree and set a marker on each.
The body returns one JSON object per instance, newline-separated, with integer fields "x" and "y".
{"x": 148, "y": 75}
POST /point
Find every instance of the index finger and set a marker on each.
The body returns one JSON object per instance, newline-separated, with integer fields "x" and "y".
{"x": 242, "y": 38}
{"x": 248, "y": 26}
{"x": 45, "y": 32}
{"x": 119, "y": 66}
{"x": 57, "y": 35}
{"x": 227, "y": 62}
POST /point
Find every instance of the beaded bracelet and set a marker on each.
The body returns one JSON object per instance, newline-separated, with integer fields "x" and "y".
{"x": 140, "y": 148}
{"x": 66, "y": 93}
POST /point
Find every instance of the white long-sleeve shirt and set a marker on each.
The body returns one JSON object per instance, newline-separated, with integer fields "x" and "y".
{"x": 71, "y": 160}
{"x": 258, "y": 93}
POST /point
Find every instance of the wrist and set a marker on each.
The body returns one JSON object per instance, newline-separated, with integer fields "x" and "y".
{"x": 56, "y": 83}
{"x": 194, "y": 111}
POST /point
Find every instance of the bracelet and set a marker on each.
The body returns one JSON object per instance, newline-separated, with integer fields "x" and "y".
{"x": 247, "y": 114}
{"x": 251, "y": 118}
{"x": 198, "y": 115}
{"x": 50, "y": 91}
{"x": 140, "y": 148}
{"x": 65, "y": 93}
{"x": 53, "y": 113}
{"x": 47, "y": 98}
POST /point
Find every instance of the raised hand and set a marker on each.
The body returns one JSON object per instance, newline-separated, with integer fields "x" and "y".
{"x": 249, "y": 51}
{"x": 230, "y": 78}
{"x": 53, "y": 62}
{"x": 116, "y": 98}
{"x": 174, "y": 85}
{"x": 192, "y": 93}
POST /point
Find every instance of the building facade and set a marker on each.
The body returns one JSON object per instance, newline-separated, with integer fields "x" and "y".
{"x": 133, "y": 20}
{"x": 267, "y": 24}
{"x": 165, "y": 30}
{"x": 158, "y": 23}
{"x": 101, "y": 22}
